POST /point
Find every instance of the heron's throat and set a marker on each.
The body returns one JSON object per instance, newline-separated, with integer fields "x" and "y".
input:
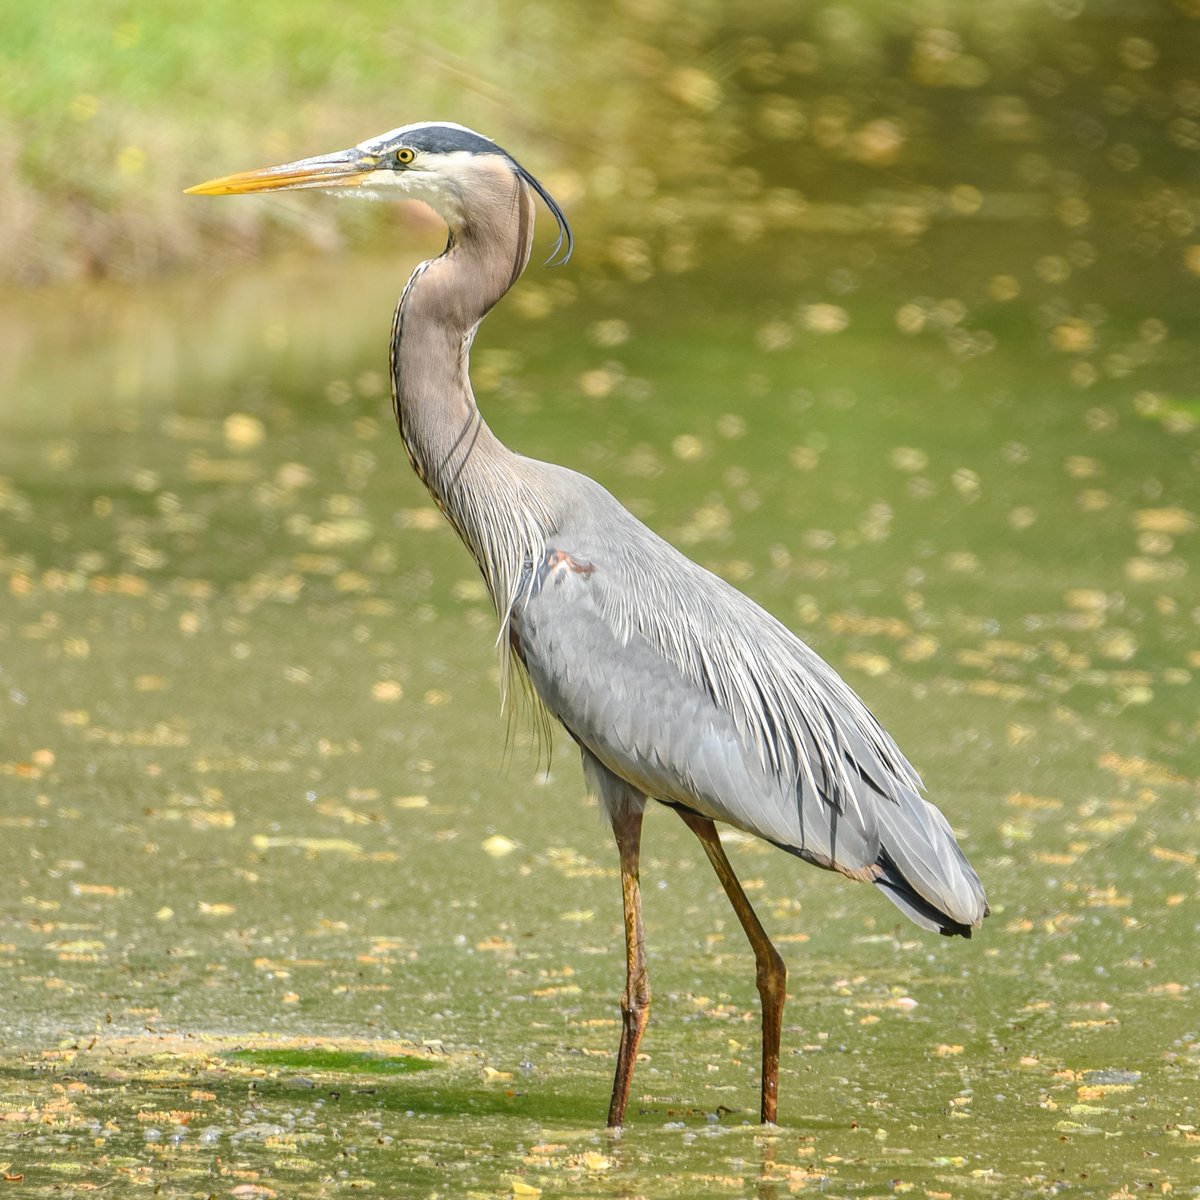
{"x": 491, "y": 232}
{"x": 473, "y": 478}
{"x": 435, "y": 408}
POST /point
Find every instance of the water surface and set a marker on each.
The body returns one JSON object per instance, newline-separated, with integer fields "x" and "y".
{"x": 266, "y": 829}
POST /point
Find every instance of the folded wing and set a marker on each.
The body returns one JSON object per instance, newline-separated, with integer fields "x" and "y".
{"x": 685, "y": 688}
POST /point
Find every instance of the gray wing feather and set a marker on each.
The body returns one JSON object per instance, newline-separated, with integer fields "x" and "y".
{"x": 684, "y": 687}
{"x": 647, "y": 722}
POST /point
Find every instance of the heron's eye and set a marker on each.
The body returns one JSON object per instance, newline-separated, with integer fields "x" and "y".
{"x": 404, "y": 156}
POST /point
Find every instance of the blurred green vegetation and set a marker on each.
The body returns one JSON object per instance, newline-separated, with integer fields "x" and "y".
{"x": 664, "y": 118}
{"x": 109, "y": 109}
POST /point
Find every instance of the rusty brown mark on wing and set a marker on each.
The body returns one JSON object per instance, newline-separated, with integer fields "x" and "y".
{"x": 556, "y": 559}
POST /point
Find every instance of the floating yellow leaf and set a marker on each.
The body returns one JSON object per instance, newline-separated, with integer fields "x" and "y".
{"x": 1107, "y": 897}
{"x": 498, "y": 845}
{"x": 494, "y": 944}
{"x": 1086, "y": 599}
{"x": 201, "y": 819}
{"x": 1167, "y": 989}
{"x": 1024, "y": 801}
{"x": 1139, "y": 768}
{"x": 1155, "y": 570}
{"x": 1178, "y": 856}
{"x": 243, "y": 432}
{"x": 892, "y": 627}
{"x": 1097, "y": 1091}
{"x": 410, "y": 801}
{"x": 694, "y": 88}
{"x": 313, "y": 845}
{"x": 908, "y": 458}
{"x": 423, "y": 519}
{"x": 1164, "y": 520}
{"x": 97, "y": 889}
{"x": 870, "y": 664}
{"x": 824, "y": 318}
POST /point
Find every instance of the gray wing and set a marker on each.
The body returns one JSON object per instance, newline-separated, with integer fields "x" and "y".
{"x": 685, "y": 688}
{"x": 637, "y": 711}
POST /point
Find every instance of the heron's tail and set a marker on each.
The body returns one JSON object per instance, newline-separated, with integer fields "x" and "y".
{"x": 923, "y": 871}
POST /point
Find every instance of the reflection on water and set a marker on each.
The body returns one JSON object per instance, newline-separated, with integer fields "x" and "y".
{"x": 254, "y": 778}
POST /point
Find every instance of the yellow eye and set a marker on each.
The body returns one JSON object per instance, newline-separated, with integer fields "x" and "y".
{"x": 404, "y": 156}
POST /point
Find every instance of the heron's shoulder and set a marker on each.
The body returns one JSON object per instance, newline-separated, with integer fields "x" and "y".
{"x": 575, "y": 492}
{"x": 585, "y": 513}
{"x": 633, "y": 564}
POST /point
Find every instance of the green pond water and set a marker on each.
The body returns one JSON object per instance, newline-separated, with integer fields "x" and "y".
{"x": 288, "y": 909}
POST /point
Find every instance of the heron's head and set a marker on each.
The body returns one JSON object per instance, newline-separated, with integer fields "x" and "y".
{"x": 443, "y": 164}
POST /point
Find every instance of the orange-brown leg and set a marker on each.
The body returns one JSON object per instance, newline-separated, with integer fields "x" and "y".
{"x": 771, "y": 973}
{"x": 635, "y": 1002}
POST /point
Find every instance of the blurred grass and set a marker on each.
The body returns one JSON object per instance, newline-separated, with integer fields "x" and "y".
{"x": 109, "y": 109}
{"x": 660, "y": 120}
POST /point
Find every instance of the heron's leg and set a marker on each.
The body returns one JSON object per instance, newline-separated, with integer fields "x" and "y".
{"x": 771, "y": 973}
{"x": 635, "y": 1002}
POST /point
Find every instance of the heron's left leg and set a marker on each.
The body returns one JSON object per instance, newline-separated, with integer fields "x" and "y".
{"x": 771, "y": 974}
{"x": 635, "y": 1002}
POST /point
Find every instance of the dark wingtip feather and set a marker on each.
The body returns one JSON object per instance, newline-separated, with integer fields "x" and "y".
{"x": 919, "y": 909}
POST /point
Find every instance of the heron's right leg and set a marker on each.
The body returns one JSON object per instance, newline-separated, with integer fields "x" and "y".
{"x": 635, "y": 1002}
{"x": 771, "y": 974}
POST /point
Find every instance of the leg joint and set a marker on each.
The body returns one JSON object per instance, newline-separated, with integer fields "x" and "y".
{"x": 636, "y": 998}
{"x": 771, "y": 972}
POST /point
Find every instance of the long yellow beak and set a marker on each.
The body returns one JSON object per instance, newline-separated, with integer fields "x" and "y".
{"x": 347, "y": 168}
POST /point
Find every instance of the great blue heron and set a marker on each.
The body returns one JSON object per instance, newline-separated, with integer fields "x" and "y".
{"x": 675, "y": 685}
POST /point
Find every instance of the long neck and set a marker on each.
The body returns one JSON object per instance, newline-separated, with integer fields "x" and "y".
{"x": 472, "y": 476}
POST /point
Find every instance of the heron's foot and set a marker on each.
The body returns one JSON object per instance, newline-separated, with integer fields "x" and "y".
{"x": 634, "y": 1016}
